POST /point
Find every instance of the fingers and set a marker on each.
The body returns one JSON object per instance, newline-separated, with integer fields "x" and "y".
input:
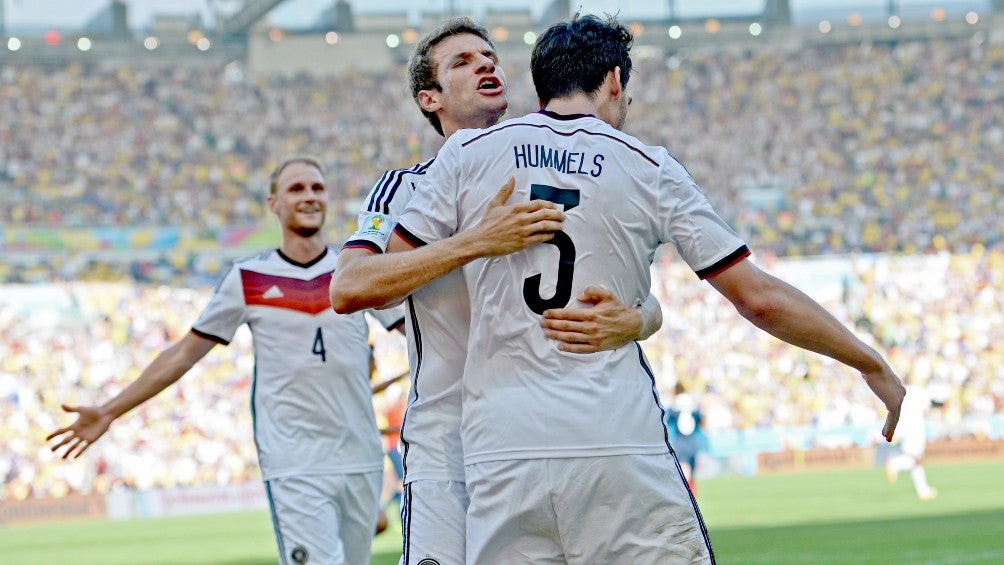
{"x": 63, "y": 442}
{"x": 504, "y": 193}
{"x": 58, "y": 432}
{"x": 579, "y": 348}
{"x": 595, "y": 294}
{"x": 86, "y": 444}
{"x": 890, "y": 426}
{"x": 563, "y": 318}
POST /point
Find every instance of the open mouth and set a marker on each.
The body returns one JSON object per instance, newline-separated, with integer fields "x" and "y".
{"x": 490, "y": 85}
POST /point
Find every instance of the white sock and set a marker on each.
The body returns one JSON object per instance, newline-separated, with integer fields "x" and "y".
{"x": 920, "y": 480}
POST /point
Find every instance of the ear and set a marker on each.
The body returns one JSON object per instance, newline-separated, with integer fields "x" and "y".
{"x": 614, "y": 79}
{"x": 270, "y": 200}
{"x": 429, "y": 101}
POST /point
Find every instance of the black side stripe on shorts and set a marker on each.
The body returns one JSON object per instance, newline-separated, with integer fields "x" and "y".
{"x": 275, "y": 524}
{"x": 672, "y": 453}
{"x": 406, "y": 524}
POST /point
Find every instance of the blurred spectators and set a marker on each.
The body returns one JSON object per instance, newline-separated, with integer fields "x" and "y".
{"x": 935, "y": 315}
{"x": 848, "y": 150}
{"x": 821, "y": 149}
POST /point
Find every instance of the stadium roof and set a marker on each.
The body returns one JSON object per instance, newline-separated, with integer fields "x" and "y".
{"x": 22, "y": 16}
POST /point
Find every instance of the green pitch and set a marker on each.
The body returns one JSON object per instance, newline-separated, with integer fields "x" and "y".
{"x": 845, "y": 517}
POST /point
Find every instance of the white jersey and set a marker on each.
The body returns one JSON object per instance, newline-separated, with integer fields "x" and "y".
{"x": 437, "y": 327}
{"x": 912, "y": 429}
{"x": 311, "y": 401}
{"x": 523, "y": 398}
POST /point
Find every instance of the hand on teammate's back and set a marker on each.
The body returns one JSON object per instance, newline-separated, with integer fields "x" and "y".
{"x": 601, "y": 323}
{"x": 507, "y": 228}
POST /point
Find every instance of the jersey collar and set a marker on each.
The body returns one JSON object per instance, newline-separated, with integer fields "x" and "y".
{"x": 564, "y": 117}
{"x": 306, "y": 265}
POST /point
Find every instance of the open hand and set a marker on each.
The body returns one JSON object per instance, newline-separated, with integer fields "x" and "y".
{"x": 91, "y": 424}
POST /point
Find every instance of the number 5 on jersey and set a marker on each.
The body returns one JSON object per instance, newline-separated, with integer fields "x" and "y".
{"x": 569, "y": 198}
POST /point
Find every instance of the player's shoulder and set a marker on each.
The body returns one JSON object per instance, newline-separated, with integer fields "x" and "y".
{"x": 251, "y": 261}
{"x": 395, "y": 184}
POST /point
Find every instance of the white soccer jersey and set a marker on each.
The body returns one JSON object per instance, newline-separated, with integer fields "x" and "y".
{"x": 523, "y": 398}
{"x": 311, "y": 400}
{"x": 437, "y": 327}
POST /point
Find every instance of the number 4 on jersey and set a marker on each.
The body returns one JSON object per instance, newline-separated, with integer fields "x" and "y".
{"x": 569, "y": 198}
{"x": 319, "y": 346}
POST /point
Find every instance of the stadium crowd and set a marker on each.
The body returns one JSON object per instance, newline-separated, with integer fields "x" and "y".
{"x": 935, "y": 315}
{"x": 885, "y": 153}
{"x": 826, "y": 149}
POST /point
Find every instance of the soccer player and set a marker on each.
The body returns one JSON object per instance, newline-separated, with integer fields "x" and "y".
{"x": 912, "y": 442}
{"x": 458, "y": 83}
{"x": 314, "y": 425}
{"x": 566, "y": 457}
{"x": 683, "y": 420}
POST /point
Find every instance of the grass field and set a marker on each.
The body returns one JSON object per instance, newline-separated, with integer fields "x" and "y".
{"x": 845, "y": 517}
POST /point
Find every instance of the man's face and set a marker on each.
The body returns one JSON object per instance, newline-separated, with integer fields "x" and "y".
{"x": 300, "y": 200}
{"x": 473, "y": 84}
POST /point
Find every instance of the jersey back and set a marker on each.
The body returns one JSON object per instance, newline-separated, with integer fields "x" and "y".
{"x": 523, "y": 398}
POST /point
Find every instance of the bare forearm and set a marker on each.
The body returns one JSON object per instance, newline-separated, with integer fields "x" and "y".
{"x": 364, "y": 280}
{"x": 164, "y": 371}
{"x": 790, "y": 315}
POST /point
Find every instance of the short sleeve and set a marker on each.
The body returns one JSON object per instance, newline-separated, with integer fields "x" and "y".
{"x": 226, "y": 310}
{"x": 432, "y": 213}
{"x": 385, "y": 201}
{"x": 686, "y": 219}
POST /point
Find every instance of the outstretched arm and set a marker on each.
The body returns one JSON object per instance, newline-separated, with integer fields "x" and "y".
{"x": 364, "y": 279}
{"x": 607, "y": 324}
{"x": 788, "y": 314}
{"x": 93, "y": 421}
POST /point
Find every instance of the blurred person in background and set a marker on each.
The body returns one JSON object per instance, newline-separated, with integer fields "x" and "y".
{"x": 314, "y": 426}
{"x": 686, "y": 436}
{"x": 911, "y": 441}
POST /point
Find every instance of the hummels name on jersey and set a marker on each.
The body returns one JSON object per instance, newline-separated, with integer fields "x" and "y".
{"x": 563, "y": 160}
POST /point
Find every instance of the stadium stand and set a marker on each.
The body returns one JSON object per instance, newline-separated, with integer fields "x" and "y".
{"x": 868, "y": 171}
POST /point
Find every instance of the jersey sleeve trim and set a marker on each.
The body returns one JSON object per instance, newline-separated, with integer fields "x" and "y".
{"x": 722, "y": 265}
{"x": 210, "y": 337}
{"x": 412, "y": 239}
{"x": 362, "y": 244}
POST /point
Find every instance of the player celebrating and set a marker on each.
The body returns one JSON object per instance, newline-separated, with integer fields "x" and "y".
{"x": 566, "y": 457}
{"x": 457, "y": 82}
{"x": 314, "y": 426}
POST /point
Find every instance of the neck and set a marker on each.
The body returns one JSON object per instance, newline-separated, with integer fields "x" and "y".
{"x": 574, "y": 104}
{"x": 451, "y": 127}
{"x": 302, "y": 249}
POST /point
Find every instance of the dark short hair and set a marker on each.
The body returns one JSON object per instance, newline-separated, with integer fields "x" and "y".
{"x": 273, "y": 179}
{"x": 575, "y": 56}
{"x": 421, "y": 67}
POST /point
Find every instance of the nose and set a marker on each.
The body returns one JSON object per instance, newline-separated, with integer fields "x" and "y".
{"x": 485, "y": 64}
